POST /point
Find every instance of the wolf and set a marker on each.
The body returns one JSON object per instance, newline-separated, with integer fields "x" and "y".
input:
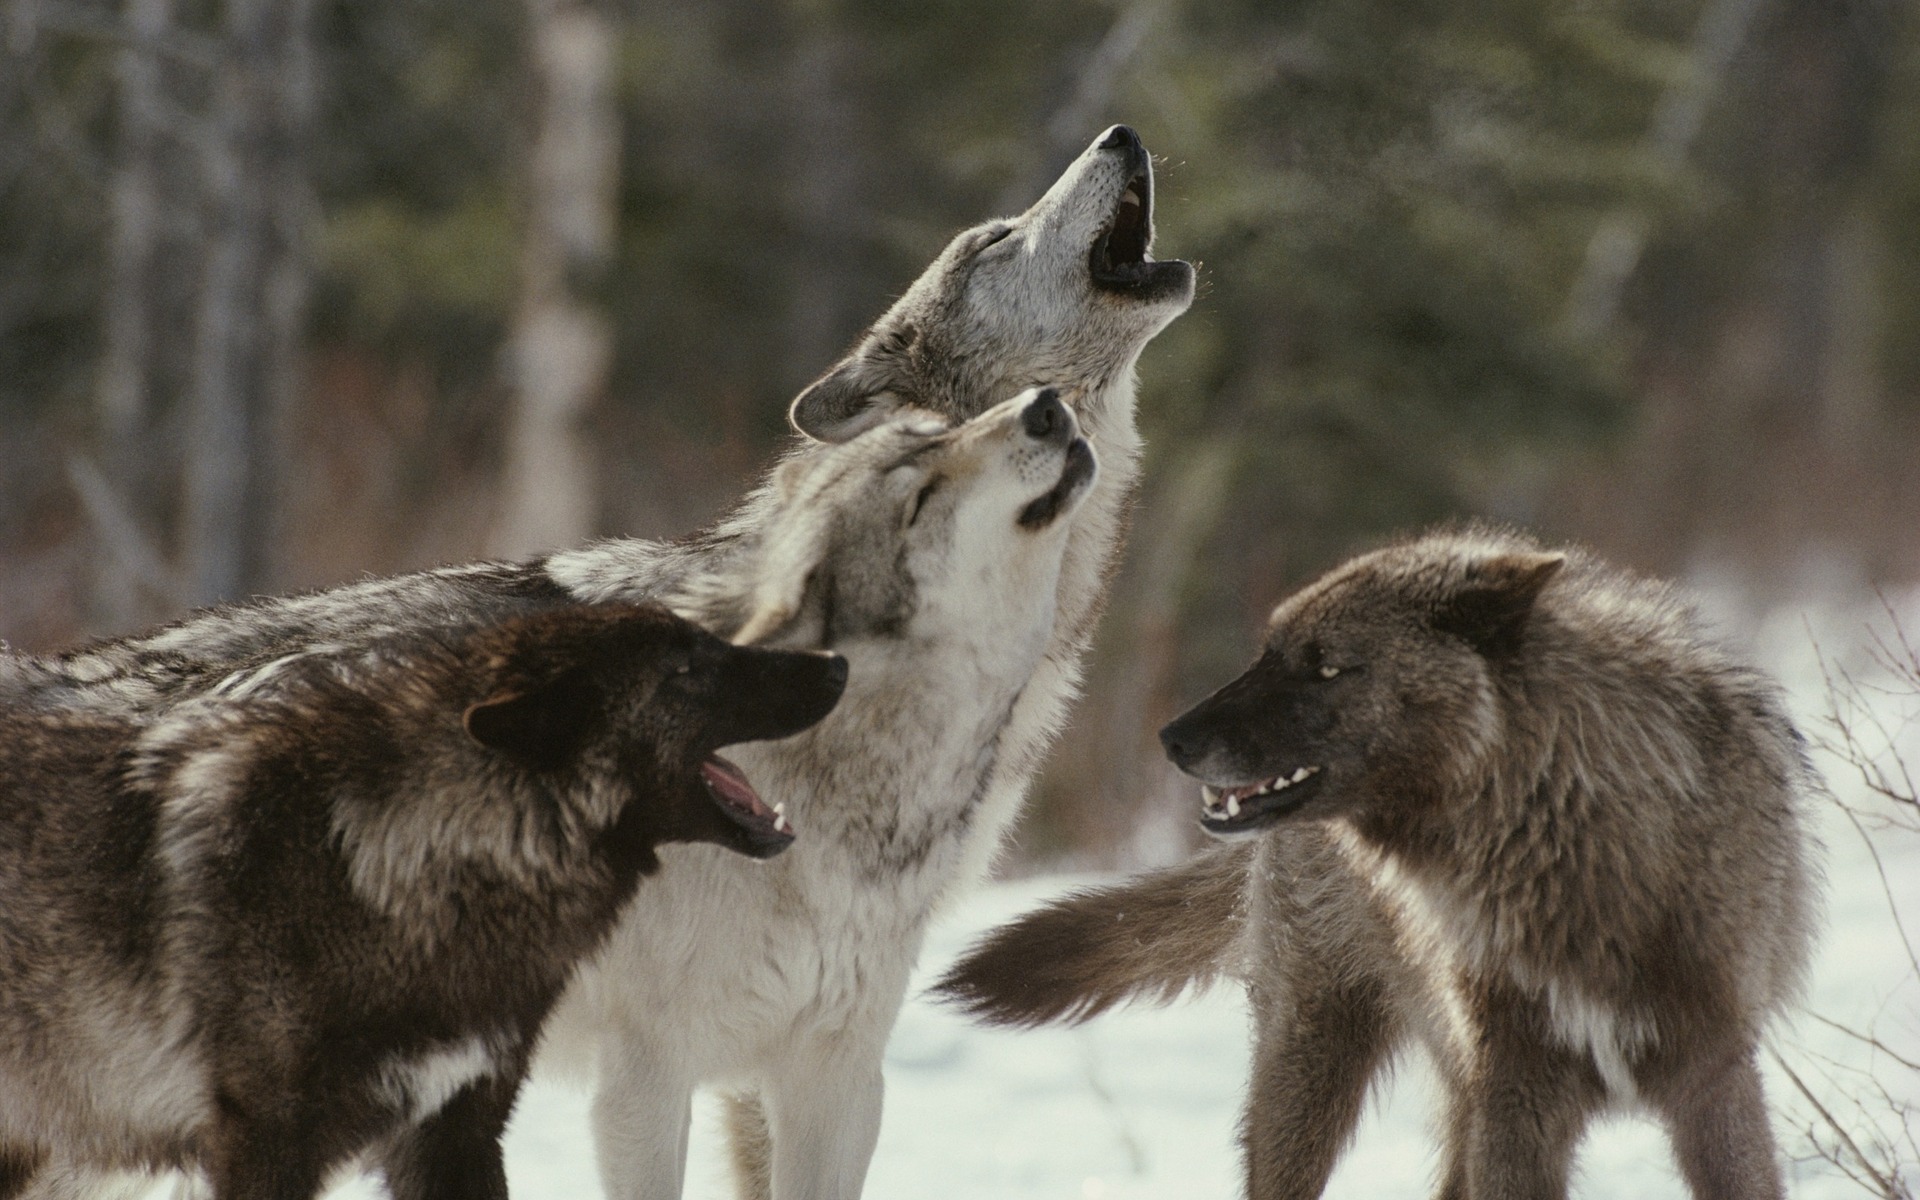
{"x": 1509, "y": 801}
{"x": 322, "y": 910}
{"x": 1067, "y": 292}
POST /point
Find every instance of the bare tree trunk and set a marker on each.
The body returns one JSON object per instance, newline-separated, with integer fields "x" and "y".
{"x": 251, "y": 291}
{"x": 825, "y": 180}
{"x": 561, "y": 344}
{"x": 287, "y": 273}
{"x": 128, "y": 374}
{"x": 1615, "y": 248}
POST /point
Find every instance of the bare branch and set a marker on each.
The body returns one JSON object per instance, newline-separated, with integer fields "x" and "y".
{"x": 1883, "y": 1184}
{"x": 120, "y": 532}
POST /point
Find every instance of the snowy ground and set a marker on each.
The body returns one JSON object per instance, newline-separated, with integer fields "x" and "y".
{"x": 1142, "y": 1103}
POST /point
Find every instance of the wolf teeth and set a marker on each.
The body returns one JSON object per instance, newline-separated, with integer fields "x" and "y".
{"x": 1130, "y": 196}
{"x": 1229, "y": 807}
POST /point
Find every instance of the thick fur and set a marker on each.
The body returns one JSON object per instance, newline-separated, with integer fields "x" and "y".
{"x": 1540, "y": 822}
{"x": 1151, "y": 938}
{"x": 791, "y": 979}
{"x": 323, "y": 910}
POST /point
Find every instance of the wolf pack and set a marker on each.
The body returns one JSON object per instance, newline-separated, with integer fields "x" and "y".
{"x": 308, "y": 885}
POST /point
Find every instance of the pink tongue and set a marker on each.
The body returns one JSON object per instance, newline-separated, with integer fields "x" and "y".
{"x": 1242, "y": 793}
{"x": 726, "y": 782}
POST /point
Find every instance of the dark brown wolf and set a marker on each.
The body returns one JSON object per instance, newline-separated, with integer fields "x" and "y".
{"x": 322, "y": 911}
{"x": 1509, "y": 801}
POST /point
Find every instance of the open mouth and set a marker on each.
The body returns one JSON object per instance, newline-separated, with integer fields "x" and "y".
{"x": 1042, "y": 509}
{"x": 1232, "y": 810}
{"x": 736, "y": 798}
{"x": 1118, "y": 259}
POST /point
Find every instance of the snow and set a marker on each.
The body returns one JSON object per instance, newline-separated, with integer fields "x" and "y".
{"x": 1143, "y": 1103}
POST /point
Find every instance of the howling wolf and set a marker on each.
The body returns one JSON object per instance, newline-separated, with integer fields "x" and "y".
{"x": 1066, "y": 292}
{"x": 323, "y": 910}
{"x": 1511, "y": 802}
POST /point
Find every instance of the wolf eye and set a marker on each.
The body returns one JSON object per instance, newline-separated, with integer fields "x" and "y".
{"x": 920, "y": 501}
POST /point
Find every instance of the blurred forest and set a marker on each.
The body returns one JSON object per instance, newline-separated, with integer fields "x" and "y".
{"x": 293, "y": 291}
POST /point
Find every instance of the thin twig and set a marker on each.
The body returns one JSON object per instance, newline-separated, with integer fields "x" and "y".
{"x": 1888, "y": 1187}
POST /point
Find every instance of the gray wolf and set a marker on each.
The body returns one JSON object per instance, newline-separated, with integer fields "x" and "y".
{"x": 322, "y": 910}
{"x": 1066, "y": 292}
{"x": 1508, "y": 801}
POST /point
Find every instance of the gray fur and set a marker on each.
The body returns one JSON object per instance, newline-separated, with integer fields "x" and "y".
{"x": 1541, "y": 823}
{"x": 912, "y": 817}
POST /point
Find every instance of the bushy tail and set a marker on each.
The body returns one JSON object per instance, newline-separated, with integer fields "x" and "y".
{"x": 1151, "y": 937}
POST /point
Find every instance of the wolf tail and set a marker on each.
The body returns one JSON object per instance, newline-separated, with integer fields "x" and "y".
{"x": 1151, "y": 937}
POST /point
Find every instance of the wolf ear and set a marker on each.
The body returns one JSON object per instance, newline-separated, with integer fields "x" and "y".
{"x": 860, "y": 391}
{"x": 1489, "y": 607}
{"x": 790, "y": 563}
{"x": 842, "y": 404}
{"x": 541, "y": 726}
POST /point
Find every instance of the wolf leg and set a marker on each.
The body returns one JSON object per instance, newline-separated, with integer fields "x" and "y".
{"x": 641, "y": 1114}
{"x": 18, "y": 1165}
{"x": 824, "y": 1112}
{"x": 750, "y": 1146}
{"x": 263, "y": 1159}
{"x": 455, "y": 1153}
{"x": 1313, "y": 1062}
{"x": 1456, "y": 1150}
{"x": 1528, "y": 1102}
{"x": 1722, "y": 1139}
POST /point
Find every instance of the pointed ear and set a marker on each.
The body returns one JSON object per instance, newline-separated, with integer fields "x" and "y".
{"x": 852, "y": 397}
{"x": 540, "y": 726}
{"x": 1490, "y": 605}
{"x": 790, "y": 562}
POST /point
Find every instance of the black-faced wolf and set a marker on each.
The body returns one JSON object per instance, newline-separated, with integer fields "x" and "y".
{"x": 1511, "y": 802}
{"x": 1065, "y": 293}
{"x": 322, "y": 911}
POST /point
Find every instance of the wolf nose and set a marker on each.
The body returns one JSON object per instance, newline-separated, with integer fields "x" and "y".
{"x": 1045, "y": 418}
{"x": 1175, "y": 745}
{"x": 1120, "y": 137}
{"x": 836, "y": 672}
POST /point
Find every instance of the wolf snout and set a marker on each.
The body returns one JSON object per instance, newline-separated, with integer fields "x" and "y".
{"x": 1046, "y": 419}
{"x": 778, "y": 693}
{"x": 1189, "y": 747}
{"x": 1120, "y": 137}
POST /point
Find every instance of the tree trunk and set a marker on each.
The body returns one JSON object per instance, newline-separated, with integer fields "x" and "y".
{"x": 561, "y": 343}
{"x": 251, "y": 300}
{"x": 128, "y": 372}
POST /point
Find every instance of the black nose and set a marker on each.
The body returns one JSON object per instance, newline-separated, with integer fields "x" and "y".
{"x": 837, "y": 673}
{"x": 1120, "y": 137}
{"x": 1045, "y": 418}
{"x": 1178, "y": 746}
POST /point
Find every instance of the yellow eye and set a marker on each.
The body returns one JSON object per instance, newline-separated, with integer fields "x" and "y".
{"x": 1329, "y": 672}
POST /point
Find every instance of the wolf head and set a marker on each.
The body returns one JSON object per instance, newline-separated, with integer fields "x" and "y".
{"x": 915, "y": 529}
{"x": 1066, "y": 290}
{"x": 634, "y": 698}
{"x": 1377, "y": 683}
{"x": 523, "y": 748}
